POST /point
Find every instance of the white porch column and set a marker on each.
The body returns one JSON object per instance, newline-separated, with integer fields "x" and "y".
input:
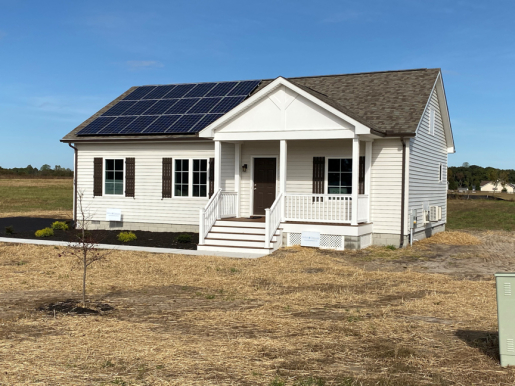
{"x": 355, "y": 180}
{"x": 237, "y": 175}
{"x": 368, "y": 172}
{"x": 283, "y": 162}
{"x": 218, "y": 165}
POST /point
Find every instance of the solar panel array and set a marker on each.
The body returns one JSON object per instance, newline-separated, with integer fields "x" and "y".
{"x": 170, "y": 109}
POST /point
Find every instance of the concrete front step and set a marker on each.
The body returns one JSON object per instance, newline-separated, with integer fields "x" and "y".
{"x": 218, "y": 248}
{"x": 235, "y": 243}
{"x": 239, "y": 236}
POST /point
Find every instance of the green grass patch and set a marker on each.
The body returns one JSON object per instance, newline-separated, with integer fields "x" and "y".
{"x": 35, "y": 195}
{"x": 481, "y": 215}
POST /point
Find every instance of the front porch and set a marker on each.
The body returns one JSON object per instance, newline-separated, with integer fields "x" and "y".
{"x": 295, "y": 187}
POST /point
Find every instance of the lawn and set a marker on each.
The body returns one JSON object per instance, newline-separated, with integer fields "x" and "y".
{"x": 481, "y": 214}
{"x": 298, "y": 317}
{"x": 36, "y": 197}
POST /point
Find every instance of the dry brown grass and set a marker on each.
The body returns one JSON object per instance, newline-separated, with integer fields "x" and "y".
{"x": 57, "y": 214}
{"x": 451, "y": 238}
{"x": 183, "y": 320}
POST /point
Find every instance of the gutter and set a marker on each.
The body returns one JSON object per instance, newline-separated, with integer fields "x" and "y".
{"x": 74, "y": 182}
{"x": 403, "y": 189}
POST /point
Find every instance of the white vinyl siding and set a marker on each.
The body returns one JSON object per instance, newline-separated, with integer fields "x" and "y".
{"x": 428, "y": 153}
{"x": 385, "y": 186}
{"x": 147, "y": 206}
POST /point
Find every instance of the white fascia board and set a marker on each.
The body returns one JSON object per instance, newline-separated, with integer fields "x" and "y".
{"x": 208, "y": 132}
{"x": 286, "y": 135}
{"x": 444, "y": 111}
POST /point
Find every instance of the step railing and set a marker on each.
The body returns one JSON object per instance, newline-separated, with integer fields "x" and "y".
{"x": 273, "y": 218}
{"x": 220, "y": 205}
{"x": 208, "y": 216}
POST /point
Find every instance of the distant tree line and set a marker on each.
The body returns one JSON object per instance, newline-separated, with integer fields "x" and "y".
{"x": 43, "y": 171}
{"x": 470, "y": 176}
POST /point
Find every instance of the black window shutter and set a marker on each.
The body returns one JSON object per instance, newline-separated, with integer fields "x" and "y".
{"x": 361, "y": 175}
{"x": 129, "y": 176}
{"x": 318, "y": 176}
{"x": 211, "y": 177}
{"x": 97, "y": 176}
{"x": 167, "y": 177}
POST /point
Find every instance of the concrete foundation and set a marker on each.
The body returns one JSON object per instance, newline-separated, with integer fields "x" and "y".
{"x": 394, "y": 239}
{"x": 141, "y": 226}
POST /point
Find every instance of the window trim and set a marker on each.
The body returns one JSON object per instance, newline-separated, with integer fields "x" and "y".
{"x": 326, "y": 175}
{"x": 104, "y": 194}
{"x": 190, "y": 178}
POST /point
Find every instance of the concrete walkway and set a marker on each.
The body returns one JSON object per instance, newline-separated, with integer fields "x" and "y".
{"x": 137, "y": 249}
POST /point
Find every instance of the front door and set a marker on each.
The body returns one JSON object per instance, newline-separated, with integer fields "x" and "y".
{"x": 264, "y": 184}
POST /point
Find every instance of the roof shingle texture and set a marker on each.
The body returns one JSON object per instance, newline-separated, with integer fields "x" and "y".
{"x": 389, "y": 102}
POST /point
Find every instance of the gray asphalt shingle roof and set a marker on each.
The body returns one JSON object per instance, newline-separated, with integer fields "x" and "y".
{"x": 389, "y": 102}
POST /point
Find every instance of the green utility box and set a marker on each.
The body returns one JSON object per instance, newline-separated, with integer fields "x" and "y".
{"x": 506, "y": 317}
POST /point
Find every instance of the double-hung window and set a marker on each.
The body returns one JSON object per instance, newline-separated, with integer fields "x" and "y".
{"x": 113, "y": 176}
{"x": 190, "y": 178}
{"x": 339, "y": 176}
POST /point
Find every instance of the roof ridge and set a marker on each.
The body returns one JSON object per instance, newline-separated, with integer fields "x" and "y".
{"x": 362, "y": 73}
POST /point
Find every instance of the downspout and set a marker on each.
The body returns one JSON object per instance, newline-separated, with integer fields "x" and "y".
{"x": 403, "y": 189}
{"x": 74, "y": 183}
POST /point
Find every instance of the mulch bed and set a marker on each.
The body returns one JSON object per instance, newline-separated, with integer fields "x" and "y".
{"x": 71, "y": 306}
{"x": 25, "y": 227}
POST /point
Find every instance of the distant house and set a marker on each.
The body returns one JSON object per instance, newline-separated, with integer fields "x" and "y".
{"x": 251, "y": 165}
{"x": 492, "y": 187}
{"x": 463, "y": 189}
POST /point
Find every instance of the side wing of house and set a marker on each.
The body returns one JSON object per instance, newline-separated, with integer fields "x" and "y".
{"x": 150, "y": 208}
{"x": 428, "y": 166}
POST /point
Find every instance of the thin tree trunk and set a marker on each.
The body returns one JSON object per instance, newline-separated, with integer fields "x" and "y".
{"x": 84, "y": 283}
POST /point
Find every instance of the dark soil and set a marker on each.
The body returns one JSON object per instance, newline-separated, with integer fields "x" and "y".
{"x": 25, "y": 227}
{"x": 71, "y": 306}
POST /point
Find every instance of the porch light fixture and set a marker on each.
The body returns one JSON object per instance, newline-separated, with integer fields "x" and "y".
{"x": 244, "y": 168}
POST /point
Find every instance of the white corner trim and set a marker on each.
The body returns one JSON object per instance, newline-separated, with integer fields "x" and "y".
{"x": 209, "y": 131}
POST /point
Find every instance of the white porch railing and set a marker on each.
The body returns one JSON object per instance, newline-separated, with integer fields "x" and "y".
{"x": 330, "y": 208}
{"x": 273, "y": 218}
{"x": 228, "y": 203}
{"x": 220, "y": 205}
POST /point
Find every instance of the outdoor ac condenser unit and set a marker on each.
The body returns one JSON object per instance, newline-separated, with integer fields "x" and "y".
{"x": 435, "y": 213}
{"x": 505, "y": 283}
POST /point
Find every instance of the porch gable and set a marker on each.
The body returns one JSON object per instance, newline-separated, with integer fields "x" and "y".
{"x": 283, "y": 111}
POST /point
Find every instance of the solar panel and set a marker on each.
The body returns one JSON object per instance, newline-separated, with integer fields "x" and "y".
{"x": 119, "y": 108}
{"x": 161, "y": 124}
{"x": 139, "y": 93}
{"x": 159, "y": 92}
{"x": 117, "y": 125}
{"x": 139, "y": 124}
{"x": 139, "y": 107}
{"x": 221, "y": 89}
{"x": 169, "y": 109}
{"x": 204, "y": 105}
{"x": 161, "y": 106}
{"x": 179, "y": 91}
{"x": 182, "y": 106}
{"x": 227, "y": 104}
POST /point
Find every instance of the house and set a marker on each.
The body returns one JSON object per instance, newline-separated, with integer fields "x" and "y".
{"x": 251, "y": 165}
{"x": 463, "y": 189}
{"x": 496, "y": 187}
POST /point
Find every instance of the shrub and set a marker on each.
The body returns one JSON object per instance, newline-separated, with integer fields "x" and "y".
{"x": 9, "y": 230}
{"x": 125, "y": 237}
{"x": 60, "y": 225}
{"x": 184, "y": 238}
{"x": 45, "y": 232}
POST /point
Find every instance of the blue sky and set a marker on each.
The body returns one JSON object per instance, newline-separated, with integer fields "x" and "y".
{"x": 61, "y": 61}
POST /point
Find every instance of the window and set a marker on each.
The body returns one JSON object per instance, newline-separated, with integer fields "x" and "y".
{"x": 114, "y": 176}
{"x": 199, "y": 178}
{"x": 339, "y": 176}
{"x": 432, "y": 121}
{"x": 181, "y": 177}
{"x": 441, "y": 173}
{"x": 190, "y": 178}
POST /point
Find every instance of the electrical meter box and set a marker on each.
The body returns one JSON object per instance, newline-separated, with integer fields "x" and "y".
{"x": 505, "y": 283}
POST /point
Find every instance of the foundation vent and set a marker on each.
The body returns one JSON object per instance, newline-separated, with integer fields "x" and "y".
{"x": 326, "y": 241}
